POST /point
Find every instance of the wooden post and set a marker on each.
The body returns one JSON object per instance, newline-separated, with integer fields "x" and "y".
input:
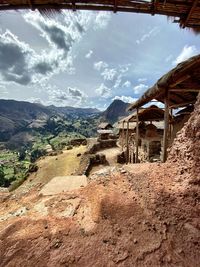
{"x": 127, "y": 143}
{"x": 166, "y": 126}
{"x": 123, "y": 136}
{"x": 137, "y": 136}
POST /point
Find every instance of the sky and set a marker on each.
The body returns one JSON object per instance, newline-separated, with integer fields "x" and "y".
{"x": 87, "y": 59}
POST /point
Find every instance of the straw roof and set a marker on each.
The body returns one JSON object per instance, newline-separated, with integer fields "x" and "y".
{"x": 182, "y": 82}
{"x": 152, "y": 113}
{"x": 105, "y": 125}
{"x": 184, "y": 12}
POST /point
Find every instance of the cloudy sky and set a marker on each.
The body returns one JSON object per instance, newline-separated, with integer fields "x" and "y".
{"x": 87, "y": 59}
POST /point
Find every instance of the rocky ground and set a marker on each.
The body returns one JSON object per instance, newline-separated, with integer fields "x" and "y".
{"x": 136, "y": 215}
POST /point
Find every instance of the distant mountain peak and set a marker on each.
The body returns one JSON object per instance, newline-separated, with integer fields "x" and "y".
{"x": 115, "y": 110}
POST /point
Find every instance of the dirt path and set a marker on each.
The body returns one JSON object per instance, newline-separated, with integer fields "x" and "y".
{"x": 111, "y": 157}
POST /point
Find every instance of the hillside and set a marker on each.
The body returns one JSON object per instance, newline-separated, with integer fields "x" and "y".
{"x": 115, "y": 111}
{"x": 20, "y": 116}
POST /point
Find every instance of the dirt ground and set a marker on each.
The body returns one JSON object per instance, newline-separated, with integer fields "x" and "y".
{"x": 51, "y": 166}
{"x": 132, "y": 217}
{"x": 111, "y": 157}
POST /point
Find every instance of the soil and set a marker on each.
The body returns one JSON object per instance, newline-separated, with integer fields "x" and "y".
{"x": 135, "y": 215}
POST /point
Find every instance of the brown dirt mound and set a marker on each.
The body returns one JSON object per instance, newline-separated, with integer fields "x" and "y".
{"x": 185, "y": 151}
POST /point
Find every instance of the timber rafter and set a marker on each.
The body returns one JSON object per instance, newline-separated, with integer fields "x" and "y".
{"x": 184, "y": 12}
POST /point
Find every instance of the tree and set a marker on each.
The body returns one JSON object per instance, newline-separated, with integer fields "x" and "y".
{"x": 3, "y": 181}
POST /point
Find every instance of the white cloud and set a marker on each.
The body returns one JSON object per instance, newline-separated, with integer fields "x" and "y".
{"x": 100, "y": 65}
{"x": 140, "y": 88}
{"x": 126, "y": 99}
{"x": 127, "y": 84}
{"x": 109, "y": 74}
{"x": 187, "y": 52}
{"x": 71, "y": 97}
{"x": 103, "y": 91}
{"x": 141, "y": 80}
{"x": 153, "y": 32}
{"x": 89, "y": 54}
{"x": 102, "y": 20}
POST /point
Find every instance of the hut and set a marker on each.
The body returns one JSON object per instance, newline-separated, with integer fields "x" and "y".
{"x": 105, "y": 131}
{"x": 105, "y": 126}
{"x": 178, "y": 88}
{"x": 141, "y": 134}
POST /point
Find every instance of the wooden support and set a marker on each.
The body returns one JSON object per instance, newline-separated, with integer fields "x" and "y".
{"x": 127, "y": 143}
{"x": 123, "y": 136}
{"x": 194, "y": 5}
{"x": 183, "y": 90}
{"x": 115, "y": 6}
{"x": 137, "y": 135}
{"x": 166, "y": 126}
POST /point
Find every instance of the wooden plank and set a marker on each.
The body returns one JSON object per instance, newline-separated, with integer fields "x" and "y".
{"x": 166, "y": 126}
{"x": 137, "y": 136}
{"x": 194, "y": 5}
{"x": 127, "y": 143}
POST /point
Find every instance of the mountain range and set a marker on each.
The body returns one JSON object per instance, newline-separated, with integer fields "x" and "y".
{"x": 18, "y": 116}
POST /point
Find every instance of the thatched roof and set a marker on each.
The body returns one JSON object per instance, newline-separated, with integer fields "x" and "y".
{"x": 183, "y": 83}
{"x": 184, "y": 12}
{"x": 152, "y": 113}
{"x": 105, "y": 126}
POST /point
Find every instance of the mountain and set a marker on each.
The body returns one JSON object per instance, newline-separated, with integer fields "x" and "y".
{"x": 115, "y": 111}
{"x": 74, "y": 111}
{"x": 18, "y": 116}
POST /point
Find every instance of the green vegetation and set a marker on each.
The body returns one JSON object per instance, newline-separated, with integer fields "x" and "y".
{"x": 24, "y": 148}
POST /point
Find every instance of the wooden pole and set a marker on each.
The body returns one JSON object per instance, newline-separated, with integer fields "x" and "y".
{"x": 166, "y": 126}
{"x": 127, "y": 143}
{"x": 123, "y": 136}
{"x": 137, "y": 136}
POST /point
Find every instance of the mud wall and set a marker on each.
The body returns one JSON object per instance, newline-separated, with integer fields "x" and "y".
{"x": 185, "y": 150}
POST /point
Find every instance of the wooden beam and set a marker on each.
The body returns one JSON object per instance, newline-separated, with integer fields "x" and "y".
{"x": 180, "y": 80}
{"x": 194, "y": 5}
{"x": 137, "y": 136}
{"x": 115, "y": 6}
{"x": 166, "y": 126}
{"x": 183, "y": 90}
{"x": 183, "y": 104}
{"x": 127, "y": 143}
